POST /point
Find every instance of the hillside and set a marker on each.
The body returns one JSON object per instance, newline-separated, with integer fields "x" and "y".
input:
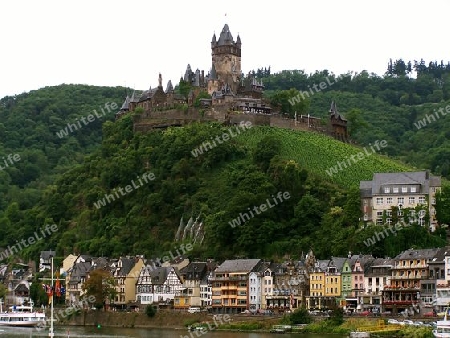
{"x": 217, "y": 187}
{"x": 63, "y": 179}
{"x": 29, "y": 127}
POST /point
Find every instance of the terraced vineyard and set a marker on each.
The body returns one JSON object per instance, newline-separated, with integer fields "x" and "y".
{"x": 318, "y": 153}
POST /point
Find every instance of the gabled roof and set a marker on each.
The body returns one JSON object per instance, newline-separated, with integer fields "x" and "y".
{"x": 194, "y": 271}
{"x": 46, "y": 255}
{"x": 159, "y": 275}
{"x": 127, "y": 265}
{"x": 238, "y": 265}
{"x": 79, "y": 271}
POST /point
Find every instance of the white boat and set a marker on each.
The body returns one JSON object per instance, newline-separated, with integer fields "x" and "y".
{"x": 22, "y": 316}
{"x": 443, "y": 327}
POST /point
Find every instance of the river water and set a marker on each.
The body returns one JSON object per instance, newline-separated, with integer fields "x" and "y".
{"x": 72, "y": 332}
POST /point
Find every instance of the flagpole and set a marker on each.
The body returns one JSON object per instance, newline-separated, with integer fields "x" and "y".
{"x": 51, "y": 334}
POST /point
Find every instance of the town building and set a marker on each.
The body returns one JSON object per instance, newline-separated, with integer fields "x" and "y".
{"x": 230, "y": 285}
{"x": 410, "y": 267}
{"x": 400, "y": 197}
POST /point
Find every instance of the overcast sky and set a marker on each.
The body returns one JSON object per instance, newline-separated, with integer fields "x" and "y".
{"x": 127, "y": 43}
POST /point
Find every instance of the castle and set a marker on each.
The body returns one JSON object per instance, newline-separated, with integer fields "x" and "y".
{"x": 224, "y": 95}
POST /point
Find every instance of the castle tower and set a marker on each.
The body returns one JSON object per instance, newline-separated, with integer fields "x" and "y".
{"x": 226, "y": 60}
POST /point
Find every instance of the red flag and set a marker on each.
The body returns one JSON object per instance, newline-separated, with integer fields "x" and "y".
{"x": 58, "y": 285}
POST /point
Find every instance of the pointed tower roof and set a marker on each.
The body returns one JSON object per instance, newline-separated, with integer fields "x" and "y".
{"x": 169, "y": 87}
{"x": 238, "y": 41}
{"x": 214, "y": 38}
{"x": 134, "y": 97}
{"x": 225, "y": 37}
{"x": 126, "y": 103}
{"x": 334, "y": 112}
{"x": 213, "y": 74}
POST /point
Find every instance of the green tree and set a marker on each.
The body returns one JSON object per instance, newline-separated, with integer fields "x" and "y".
{"x": 300, "y": 316}
{"x": 100, "y": 285}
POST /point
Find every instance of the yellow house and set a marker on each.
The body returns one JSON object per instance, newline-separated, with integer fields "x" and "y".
{"x": 126, "y": 272}
{"x": 316, "y": 289}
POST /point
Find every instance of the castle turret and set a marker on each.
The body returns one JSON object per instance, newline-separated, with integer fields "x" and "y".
{"x": 226, "y": 59}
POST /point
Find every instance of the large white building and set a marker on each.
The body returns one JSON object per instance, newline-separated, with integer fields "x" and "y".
{"x": 403, "y": 193}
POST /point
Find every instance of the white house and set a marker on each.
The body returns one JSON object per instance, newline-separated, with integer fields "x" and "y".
{"x": 157, "y": 284}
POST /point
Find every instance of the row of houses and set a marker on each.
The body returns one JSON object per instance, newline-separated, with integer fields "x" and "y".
{"x": 356, "y": 282}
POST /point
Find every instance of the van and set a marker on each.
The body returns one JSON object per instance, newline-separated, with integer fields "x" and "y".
{"x": 193, "y": 309}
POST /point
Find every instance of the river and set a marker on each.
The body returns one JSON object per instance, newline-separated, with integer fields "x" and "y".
{"x": 103, "y": 332}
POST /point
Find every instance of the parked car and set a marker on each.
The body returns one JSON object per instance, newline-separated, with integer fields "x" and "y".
{"x": 430, "y": 314}
{"x": 365, "y": 313}
{"x": 194, "y": 309}
{"x": 393, "y": 321}
{"x": 408, "y": 322}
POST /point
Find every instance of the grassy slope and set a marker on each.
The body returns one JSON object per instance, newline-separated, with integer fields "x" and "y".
{"x": 317, "y": 153}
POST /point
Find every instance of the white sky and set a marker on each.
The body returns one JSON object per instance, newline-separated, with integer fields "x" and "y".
{"x": 127, "y": 43}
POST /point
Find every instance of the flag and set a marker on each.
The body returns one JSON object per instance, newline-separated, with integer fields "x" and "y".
{"x": 58, "y": 285}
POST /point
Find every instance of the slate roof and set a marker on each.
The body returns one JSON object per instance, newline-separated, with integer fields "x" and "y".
{"x": 439, "y": 257}
{"x": 225, "y": 37}
{"x": 194, "y": 271}
{"x": 334, "y": 112}
{"x": 427, "y": 254}
{"x": 79, "y": 271}
{"x": 238, "y": 265}
{"x": 159, "y": 275}
{"x": 45, "y": 255}
{"x": 422, "y": 178}
{"x": 126, "y": 103}
{"x": 127, "y": 265}
{"x": 169, "y": 87}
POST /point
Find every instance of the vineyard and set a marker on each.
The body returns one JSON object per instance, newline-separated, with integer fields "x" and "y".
{"x": 317, "y": 153}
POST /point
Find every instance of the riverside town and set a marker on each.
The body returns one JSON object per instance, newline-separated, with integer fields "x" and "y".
{"x": 222, "y": 195}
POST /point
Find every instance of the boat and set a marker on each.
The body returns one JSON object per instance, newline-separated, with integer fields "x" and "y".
{"x": 21, "y": 316}
{"x": 443, "y": 327}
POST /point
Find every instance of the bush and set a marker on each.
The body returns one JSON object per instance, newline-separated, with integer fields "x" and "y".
{"x": 300, "y": 316}
{"x": 150, "y": 311}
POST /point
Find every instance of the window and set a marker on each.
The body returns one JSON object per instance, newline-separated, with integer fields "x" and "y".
{"x": 412, "y": 200}
{"x": 395, "y": 190}
{"x": 389, "y": 200}
{"x": 389, "y": 213}
{"x": 379, "y": 200}
{"x": 389, "y": 221}
{"x": 404, "y": 189}
{"x": 400, "y": 200}
{"x": 379, "y": 214}
{"x": 421, "y": 200}
{"x": 387, "y": 190}
{"x": 413, "y": 189}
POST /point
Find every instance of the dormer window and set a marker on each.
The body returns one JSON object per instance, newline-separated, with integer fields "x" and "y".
{"x": 413, "y": 189}
{"x": 387, "y": 190}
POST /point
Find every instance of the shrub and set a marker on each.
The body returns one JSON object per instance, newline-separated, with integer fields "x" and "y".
{"x": 300, "y": 316}
{"x": 150, "y": 311}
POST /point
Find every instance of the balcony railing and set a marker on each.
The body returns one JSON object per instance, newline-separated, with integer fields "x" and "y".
{"x": 232, "y": 278}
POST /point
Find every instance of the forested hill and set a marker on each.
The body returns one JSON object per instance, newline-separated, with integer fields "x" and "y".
{"x": 29, "y": 127}
{"x": 217, "y": 188}
{"x": 62, "y": 179}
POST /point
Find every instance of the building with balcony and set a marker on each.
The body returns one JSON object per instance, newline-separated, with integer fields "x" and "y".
{"x": 393, "y": 197}
{"x": 410, "y": 268}
{"x": 325, "y": 284}
{"x": 230, "y": 285}
{"x": 377, "y": 275}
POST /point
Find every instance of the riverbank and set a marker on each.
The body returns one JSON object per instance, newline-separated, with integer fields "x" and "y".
{"x": 163, "y": 319}
{"x": 167, "y": 319}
